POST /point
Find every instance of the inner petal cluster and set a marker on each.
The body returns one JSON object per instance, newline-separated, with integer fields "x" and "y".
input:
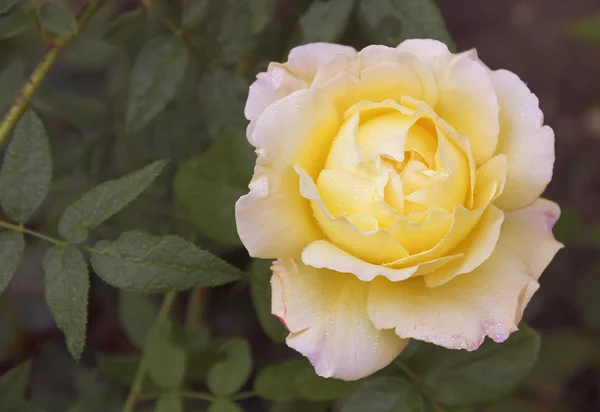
{"x": 395, "y": 173}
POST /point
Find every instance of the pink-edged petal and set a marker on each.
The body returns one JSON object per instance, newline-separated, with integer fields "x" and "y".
{"x": 486, "y": 302}
{"x": 326, "y": 315}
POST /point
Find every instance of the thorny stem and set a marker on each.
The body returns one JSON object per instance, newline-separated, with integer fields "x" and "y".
{"x": 40, "y": 72}
{"x": 415, "y": 379}
{"x": 138, "y": 382}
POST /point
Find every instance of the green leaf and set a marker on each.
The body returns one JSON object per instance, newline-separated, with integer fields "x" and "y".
{"x": 122, "y": 370}
{"x": 385, "y": 394}
{"x": 156, "y": 75}
{"x": 12, "y": 80}
{"x": 137, "y": 315}
{"x": 192, "y": 338}
{"x": 12, "y": 247}
{"x": 126, "y": 26}
{"x": 235, "y": 39}
{"x": 260, "y": 288}
{"x": 278, "y": 382}
{"x": 105, "y": 200}
{"x": 67, "y": 286}
{"x": 316, "y": 388}
{"x": 166, "y": 360}
{"x": 95, "y": 394}
{"x": 13, "y": 385}
{"x": 194, "y": 13}
{"x": 587, "y": 29}
{"x": 139, "y": 262}
{"x": 169, "y": 403}
{"x": 6, "y": 5}
{"x": 27, "y": 169}
{"x": 223, "y": 405}
{"x": 325, "y": 21}
{"x": 207, "y": 187}
{"x": 392, "y": 21}
{"x": 88, "y": 52}
{"x": 17, "y": 21}
{"x": 262, "y": 12}
{"x": 490, "y": 372}
{"x": 57, "y": 18}
{"x": 222, "y": 95}
{"x": 228, "y": 376}
{"x": 301, "y": 405}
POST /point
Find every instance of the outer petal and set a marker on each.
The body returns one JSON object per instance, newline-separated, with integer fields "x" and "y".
{"x": 488, "y": 301}
{"x": 297, "y": 129}
{"x": 467, "y": 101}
{"x": 527, "y": 144}
{"x": 305, "y": 60}
{"x": 274, "y": 220}
{"x": 326, "y": 313}
{"x": 281, "y": 80}
{"x": 428, "y": 51}
{"x": 269, "y": 87}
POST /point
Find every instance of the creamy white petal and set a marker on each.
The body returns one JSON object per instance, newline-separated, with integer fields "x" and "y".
{"x": 305, "y": 60}
{"x": 528, "y": 146}
{"x": 326, "y": 315}
{"x": 270, "y": 86}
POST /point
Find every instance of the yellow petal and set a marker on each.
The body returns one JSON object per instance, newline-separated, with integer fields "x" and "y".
{"x": 323, "y": 254}
{"x": 528, "y": 146}
{"x": 417, "y": 237}
{"x": 463, "y": 222}
{"x": 274, "y": 220}
{"x": 467, "y": 100}
{"x": 488, "y": 301}
{"x": 346, "y": 194}
{"x": 374, "y": 246}
{"x": 376, "y": 54}
{"x": 326, "y": 315}
{"x": 376, "y": 84}
{"x": 490, "y": 180}
{"x": 476, "y": 248}
{"x": 297, "y": 129}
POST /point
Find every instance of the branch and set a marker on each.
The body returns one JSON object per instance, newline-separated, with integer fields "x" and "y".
{"x": 40, "y": 72}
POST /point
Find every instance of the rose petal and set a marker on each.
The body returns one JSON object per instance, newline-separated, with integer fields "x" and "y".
{"x": 527, "y": 144}
{"x": 325, "y": 312}
{"x": 323, "y": 254}
{"x": 488, "y": 301}
{"x": 305, "y": 60}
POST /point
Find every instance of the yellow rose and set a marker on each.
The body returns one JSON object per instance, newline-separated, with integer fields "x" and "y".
{"x": 398, "y": 189}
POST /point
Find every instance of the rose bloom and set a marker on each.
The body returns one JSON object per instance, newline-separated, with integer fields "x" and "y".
{"x": 399, "y": 190}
